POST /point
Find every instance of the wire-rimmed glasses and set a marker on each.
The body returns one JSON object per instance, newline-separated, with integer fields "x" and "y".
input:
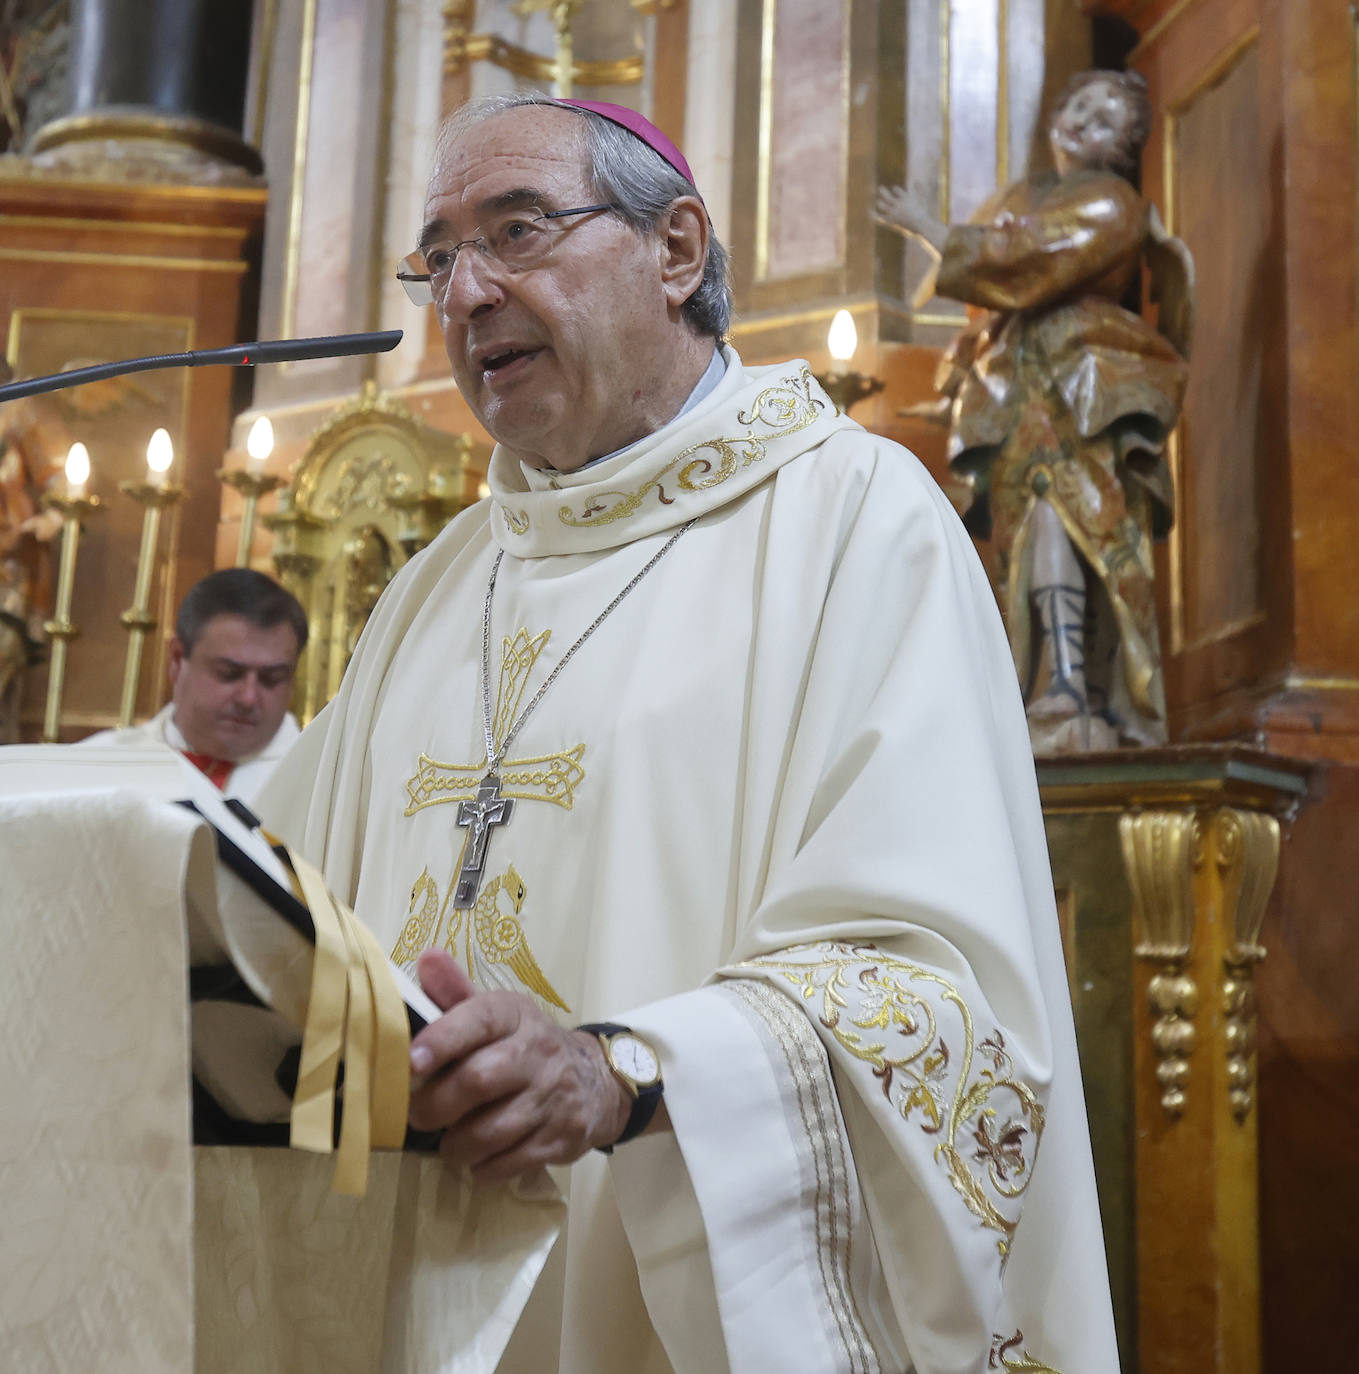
{"x": 517, "y": 240}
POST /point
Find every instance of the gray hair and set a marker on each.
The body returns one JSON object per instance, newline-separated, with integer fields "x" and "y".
{"x": 636, "y": 180}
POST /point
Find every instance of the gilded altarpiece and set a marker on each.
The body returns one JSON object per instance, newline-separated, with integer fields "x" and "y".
{"x": 374, "y": 487}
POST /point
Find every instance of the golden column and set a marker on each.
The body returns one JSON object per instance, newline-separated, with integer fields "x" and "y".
{"x": 1163, "y": 861}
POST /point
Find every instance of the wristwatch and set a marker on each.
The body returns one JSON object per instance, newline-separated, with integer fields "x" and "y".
{"x": 637, "y": 1066}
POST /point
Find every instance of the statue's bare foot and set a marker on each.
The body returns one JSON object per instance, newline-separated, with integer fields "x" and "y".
{"x": 938, "y": 410}
{"x": 1075, "y": 735}
{"x": 1060, "y": 702}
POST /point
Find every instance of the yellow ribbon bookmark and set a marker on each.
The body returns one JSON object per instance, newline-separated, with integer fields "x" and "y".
{"x": 313, "y": 1114}
{"x": 355, "y": 1012}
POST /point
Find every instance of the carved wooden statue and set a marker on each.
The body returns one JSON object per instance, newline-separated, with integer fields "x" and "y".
{"x": 1060, "y": 400}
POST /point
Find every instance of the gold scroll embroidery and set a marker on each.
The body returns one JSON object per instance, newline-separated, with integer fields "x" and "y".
{"x": 782, "y": 409}
{"x": 517, "y": 520}
{"x": 987, "y": 1152}
{"x": 1004, "y": 1356}
{"x": 809, "y": 1069}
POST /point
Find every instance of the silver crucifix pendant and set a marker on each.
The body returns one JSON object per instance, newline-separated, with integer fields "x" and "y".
{"x": 489, "y": 809}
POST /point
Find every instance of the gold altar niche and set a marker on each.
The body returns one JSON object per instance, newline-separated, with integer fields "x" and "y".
{"x": 375, "y": 485}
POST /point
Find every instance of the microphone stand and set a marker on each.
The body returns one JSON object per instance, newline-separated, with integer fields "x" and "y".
{"x": 239, "y": 355}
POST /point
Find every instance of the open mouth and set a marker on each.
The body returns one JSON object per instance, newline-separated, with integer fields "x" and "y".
{"x": 498, "y": 362}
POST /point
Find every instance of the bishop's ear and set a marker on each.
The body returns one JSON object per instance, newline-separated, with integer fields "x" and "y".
{"x": 684, "y": 249}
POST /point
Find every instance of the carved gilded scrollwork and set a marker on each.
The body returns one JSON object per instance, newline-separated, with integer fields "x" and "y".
{"x": 375, "y": 485}
{"x": 1246, "y": 851}
{"x": 1161, "y": 850}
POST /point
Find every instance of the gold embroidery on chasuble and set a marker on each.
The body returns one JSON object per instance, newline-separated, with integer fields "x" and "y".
{"x": 988, "y": 1121}
{"x": 1004, "y": 1355}
{"x": 495, "y": 943}
{"x": 778, "y": 411}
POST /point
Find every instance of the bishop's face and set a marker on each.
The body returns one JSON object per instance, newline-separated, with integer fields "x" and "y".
{"x": 572, "y": 358}
{"x": 1090, "y": 129}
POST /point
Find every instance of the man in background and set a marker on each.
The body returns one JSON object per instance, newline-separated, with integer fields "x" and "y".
{"x": 238, "y": 636}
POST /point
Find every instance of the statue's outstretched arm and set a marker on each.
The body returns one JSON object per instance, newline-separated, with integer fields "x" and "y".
{"x": 909, "y": 211}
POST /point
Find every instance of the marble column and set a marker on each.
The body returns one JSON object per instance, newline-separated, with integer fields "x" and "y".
{"x": 163, "y": 82}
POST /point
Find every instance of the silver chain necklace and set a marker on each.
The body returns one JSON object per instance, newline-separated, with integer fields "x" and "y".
{"x": 489, "y": 809}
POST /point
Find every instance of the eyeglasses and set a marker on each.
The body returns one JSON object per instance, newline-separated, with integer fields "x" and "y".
{"x": 518, "y": 240}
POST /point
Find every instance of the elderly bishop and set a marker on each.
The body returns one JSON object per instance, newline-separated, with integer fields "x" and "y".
{"x": 690, "y": 772}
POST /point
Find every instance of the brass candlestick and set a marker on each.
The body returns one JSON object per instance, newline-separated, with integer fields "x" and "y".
{"x": 155, "y": 497}
{"x": 73, "y": 510}
{"x": 839, "y": 383}
{"x": 846, "y": 388}
{"x": 251, "y": 485}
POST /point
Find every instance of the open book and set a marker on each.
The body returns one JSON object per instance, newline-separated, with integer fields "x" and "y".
{"x": 252, "y": 953}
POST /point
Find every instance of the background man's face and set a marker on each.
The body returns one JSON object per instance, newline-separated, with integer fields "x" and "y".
{"x": 558, "y": 362}
{"x": 231, "y": 692}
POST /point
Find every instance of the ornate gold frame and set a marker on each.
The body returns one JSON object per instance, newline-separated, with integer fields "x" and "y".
{"x": 375, "y": 485}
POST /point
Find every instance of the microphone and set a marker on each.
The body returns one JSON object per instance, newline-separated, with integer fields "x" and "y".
{"x": 245, "y": 355}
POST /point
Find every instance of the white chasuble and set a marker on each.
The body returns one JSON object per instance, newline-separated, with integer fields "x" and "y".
{"x": 778, "y": 813}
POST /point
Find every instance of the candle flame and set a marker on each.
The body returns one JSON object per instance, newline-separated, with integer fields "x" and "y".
{"x": 843, "y": 338}
{"x": 260, "y": 442}
{"x": 160, "y": 452}
{"x": 78, "y": 465}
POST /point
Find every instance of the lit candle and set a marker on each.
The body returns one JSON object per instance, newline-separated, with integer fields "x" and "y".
{"x": 843, "y": 338}
{"x": 160, "y": 454}
{"x": 77, "y": 470}
{"x": 259, "y": 443}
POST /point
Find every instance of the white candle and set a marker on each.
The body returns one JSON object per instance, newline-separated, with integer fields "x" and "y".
{"x": 77, "y": 470}
{"x": 259, "y": 443}
{"x": 160, "y": 454}
{"x": 843, "y": 338}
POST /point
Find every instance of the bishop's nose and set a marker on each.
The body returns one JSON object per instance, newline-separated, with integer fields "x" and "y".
{"x": 473, "y": 284}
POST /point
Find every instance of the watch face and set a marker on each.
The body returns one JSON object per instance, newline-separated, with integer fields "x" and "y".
{"x": 633, "y": 1057}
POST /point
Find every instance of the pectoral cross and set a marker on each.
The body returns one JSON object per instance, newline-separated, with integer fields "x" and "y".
{"x": 478, "y": 817}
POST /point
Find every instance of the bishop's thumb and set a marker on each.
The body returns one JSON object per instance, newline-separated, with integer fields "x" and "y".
{"x": 443, "y": 979}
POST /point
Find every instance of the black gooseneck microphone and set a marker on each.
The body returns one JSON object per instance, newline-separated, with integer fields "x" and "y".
{"x": 244, "y": 355}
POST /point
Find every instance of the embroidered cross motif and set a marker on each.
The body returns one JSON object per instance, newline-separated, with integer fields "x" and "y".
{"x": 484, "y": 801}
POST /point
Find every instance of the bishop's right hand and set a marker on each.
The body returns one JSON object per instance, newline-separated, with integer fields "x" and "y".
{"x": 511, "y": 1090}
